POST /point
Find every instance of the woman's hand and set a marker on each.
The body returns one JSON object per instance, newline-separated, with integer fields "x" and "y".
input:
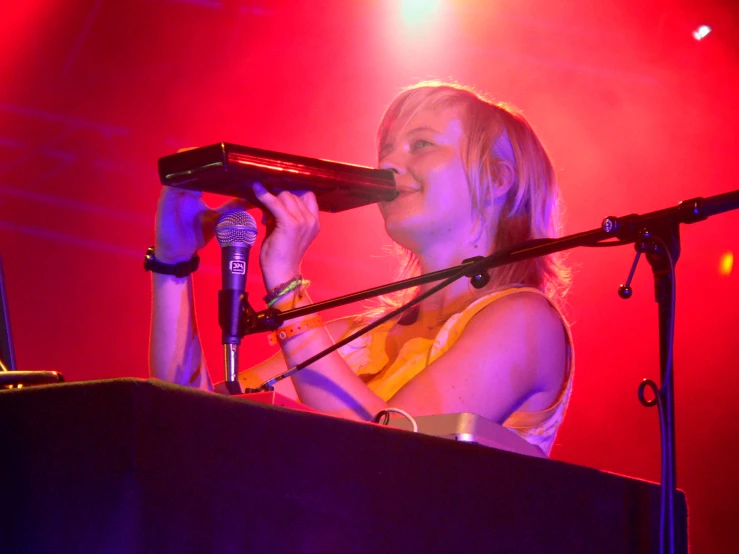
{"x": 184, "y": 223}
{"x": 292, "y": 224}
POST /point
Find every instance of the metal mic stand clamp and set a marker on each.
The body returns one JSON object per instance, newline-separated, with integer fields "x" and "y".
{"x": 478, "y": 277}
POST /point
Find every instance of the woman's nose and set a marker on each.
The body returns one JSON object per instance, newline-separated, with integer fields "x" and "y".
{"x": 393, "y": 164}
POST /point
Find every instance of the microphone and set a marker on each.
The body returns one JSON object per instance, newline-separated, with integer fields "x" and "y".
{"x": 236, "y": 231}
{"x": 231, "y": 169}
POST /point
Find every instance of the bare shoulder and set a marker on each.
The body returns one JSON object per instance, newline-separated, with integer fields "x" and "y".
{"x": 524, "y": 306}
{"x": 529, "y": 328}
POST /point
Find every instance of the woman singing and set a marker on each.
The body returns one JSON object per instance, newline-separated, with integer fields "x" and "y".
{"x": 472, "y": 178}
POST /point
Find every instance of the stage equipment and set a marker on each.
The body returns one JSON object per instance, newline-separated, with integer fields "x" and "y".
{"x": 466, "y": 427}
{"x": 9, "y": 375}
{"x": 656, "y": 234}
{"x": 231, "y": 169}
{"x": 126, "y": 465}
{"x": 463, "y": 427}
{"x": 7, "y": 351}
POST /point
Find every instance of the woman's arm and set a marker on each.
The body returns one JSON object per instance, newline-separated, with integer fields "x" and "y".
{"x": 184, "y": 224}
{"x": 175, "y": 353}
{"x": 329, "y": 385}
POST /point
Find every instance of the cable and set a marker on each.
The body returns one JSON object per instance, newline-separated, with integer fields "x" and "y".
{"x": 382, "y": 414}
{"x": 386, "y": 413}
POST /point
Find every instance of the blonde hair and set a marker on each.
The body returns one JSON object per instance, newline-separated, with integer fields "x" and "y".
{"x": 496, "y": 136}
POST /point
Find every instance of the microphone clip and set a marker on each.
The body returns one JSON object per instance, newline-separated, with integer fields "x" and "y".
{"x": 233, "y": 312}
{"x": 258, "y": 322}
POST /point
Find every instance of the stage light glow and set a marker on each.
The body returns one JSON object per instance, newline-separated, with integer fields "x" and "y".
{"x": 414, "y": 11}
{"x": 726, "y": 264}
{"x": 701, "y": 32}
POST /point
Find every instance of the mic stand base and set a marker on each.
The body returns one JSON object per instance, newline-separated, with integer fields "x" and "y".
{"x": 233, "y": 387}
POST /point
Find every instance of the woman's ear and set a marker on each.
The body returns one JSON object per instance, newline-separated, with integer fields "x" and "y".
{"x": 506, "y": 179}
{"x": 502, "y": 181}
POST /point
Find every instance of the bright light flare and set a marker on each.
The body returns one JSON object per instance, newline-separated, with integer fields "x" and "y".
{"x": 415, "y": 11}
{"x": 726, "y": 264}
{"x": 701, "y": 32}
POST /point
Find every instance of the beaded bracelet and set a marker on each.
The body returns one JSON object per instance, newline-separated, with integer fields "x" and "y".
{"x": 296, "y": 283}
{"x": 284, "y": 333}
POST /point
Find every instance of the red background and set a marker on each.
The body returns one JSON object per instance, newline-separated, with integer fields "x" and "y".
{"x": 635, "y": 112}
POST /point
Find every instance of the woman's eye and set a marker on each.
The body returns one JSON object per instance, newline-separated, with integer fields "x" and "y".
{"x": 420, "y": 143}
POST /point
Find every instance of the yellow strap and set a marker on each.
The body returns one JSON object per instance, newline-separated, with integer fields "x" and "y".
{"x": 284, "y": 333}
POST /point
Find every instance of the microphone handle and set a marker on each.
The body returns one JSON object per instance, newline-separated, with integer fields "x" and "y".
{"x": 229, "y": 316}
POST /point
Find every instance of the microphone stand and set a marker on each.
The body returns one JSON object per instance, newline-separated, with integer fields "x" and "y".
{"x": 655, "y": 234}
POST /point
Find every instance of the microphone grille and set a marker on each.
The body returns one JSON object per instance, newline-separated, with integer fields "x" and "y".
{"x": 236, "y": 228}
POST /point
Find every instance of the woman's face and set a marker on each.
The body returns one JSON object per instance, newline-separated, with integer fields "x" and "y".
{"x": 434, "y": 203}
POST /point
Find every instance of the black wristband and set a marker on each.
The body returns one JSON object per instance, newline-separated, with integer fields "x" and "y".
{"x": 182, "y": 269}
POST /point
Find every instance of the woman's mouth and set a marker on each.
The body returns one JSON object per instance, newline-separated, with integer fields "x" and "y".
{"x": 405, "y": 192}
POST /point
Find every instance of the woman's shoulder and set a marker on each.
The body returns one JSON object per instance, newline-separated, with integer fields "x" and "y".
{"x": 521, "y": 318}
{"x": 527, "y": 301}
{"x": 531, "y": 323}
{"x": 521, "y": 306}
